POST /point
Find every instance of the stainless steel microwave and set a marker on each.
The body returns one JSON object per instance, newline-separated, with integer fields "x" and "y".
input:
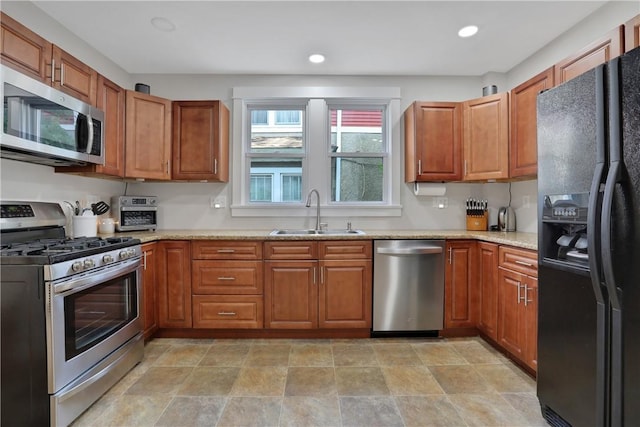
{"x": 43, "y": 125}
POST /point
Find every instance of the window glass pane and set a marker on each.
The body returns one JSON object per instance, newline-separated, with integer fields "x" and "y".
{"x": 261, "y": 188}
{"x": 291, "y": 188}
{"x": 290, "y": 117}
{"x": 272, "y": 136}
{"x": 357, "y": 131}
{"x": 284, "y": 182}
{"x": 357, "y": 179}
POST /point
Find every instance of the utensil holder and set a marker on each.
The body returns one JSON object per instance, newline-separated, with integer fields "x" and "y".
{"x": 478, "y": 222}
{"x": 85, "y": 226}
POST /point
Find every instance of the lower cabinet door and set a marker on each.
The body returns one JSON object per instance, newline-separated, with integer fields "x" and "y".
{"x": 511, "y": 312}
{"x": 291, "y": 294}
{"x": 345, "y": 294}
{"x": 227, "y": 311}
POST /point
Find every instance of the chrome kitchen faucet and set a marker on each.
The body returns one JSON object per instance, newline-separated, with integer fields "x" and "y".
{"x": 317, "y": 206}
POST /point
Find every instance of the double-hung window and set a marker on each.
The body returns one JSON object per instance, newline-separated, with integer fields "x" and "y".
{"x": 346, "y": 147}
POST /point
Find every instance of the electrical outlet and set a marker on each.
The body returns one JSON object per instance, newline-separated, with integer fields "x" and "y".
{"x": 219, "y": 202}
{"x": 525, "y": 202}
{"x": 440, "y": 202}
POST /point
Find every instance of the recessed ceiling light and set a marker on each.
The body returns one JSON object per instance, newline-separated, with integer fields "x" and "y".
{"x": 163, "y": 24}
{"x": 468, "y": 31}
{"x": 316, "y": 58}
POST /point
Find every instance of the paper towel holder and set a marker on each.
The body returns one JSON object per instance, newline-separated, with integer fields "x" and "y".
{"x": 429, "y": 189}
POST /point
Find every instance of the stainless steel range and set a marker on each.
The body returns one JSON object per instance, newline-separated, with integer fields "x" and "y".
{"x": 70, "y": 315}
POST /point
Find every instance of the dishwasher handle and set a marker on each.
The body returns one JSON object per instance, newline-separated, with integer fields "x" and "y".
{"x": 412, "y": 250}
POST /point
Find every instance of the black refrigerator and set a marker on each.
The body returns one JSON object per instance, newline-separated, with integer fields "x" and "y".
{"x": 589, "y": 247}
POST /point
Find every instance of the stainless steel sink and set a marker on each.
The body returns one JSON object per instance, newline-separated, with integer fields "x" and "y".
{"x": 298, "y": 232}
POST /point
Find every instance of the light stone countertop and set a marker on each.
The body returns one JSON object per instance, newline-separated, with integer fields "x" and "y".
{"x": 518, "y": 239}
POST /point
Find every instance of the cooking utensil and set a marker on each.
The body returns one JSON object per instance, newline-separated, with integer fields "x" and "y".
{"x": 77, "y": 210}
{"x": 99, "y": 208}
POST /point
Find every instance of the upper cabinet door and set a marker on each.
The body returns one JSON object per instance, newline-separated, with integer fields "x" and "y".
{"x": 148, "y": 137}
{"x": 486, "y": 138}
{"x": 74, "y": 77}
{"x": 200, "y": 141}
{"x": 433, "y": 147}
{"x": 598, "y": 52}
{"x": 523, "y": 146}
{"x": 24, "y": 50}
{"x": 632, "y": 34}
{"x": 111, "y": 100}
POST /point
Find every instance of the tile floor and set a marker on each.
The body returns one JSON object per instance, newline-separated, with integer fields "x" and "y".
{"x": 360, "y": 382}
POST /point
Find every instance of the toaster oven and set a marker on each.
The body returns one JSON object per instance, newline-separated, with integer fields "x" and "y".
{"x": 135, "y": 212}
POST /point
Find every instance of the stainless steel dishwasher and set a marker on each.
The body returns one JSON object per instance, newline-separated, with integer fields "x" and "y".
{"x": 408, "y": 285}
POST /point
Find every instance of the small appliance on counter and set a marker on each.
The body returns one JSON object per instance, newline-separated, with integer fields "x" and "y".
{"x": 506, "y": 219}
{"x": 477, "y": 214}
{"x": 135, "y": 213}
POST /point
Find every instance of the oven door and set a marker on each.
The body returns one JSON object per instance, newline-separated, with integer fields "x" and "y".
{"x": 89, "y": 316}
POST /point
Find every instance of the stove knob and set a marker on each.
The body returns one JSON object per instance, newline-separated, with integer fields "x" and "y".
{"x": 132, "y": 252}
{"x": 123, "y": 254}
{"x": 77, "y": 266}
{"x": 107, "y": 259}
{"x": 89, "y": 263}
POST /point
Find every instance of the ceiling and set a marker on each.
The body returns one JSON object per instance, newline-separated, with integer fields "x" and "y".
{"x": 357, "y": 37}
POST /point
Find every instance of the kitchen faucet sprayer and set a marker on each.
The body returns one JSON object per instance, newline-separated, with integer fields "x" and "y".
{"x": 308, "y": 204}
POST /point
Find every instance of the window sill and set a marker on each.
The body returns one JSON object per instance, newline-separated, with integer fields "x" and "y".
{"x": 296, "y": 210}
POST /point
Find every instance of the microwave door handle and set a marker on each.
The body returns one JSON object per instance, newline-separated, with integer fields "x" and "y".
{"x": 89, "y": 134}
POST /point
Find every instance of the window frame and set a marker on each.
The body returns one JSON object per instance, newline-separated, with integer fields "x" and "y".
{"x": 316, "y": 174}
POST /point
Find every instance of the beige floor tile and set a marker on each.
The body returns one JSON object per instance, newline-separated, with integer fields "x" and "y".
{"x": 410, "y": 380}
{"x": 487, "y": 410}
{"x": 310, "y": 382}
{"x": 200, "y": 411}
{"x": 370, "y": 411}
{"x": 428, "y": 411}
{"x": 125, "y": 411}
{"x": 225, "y": 355}
{"x": 438, "y": 353}
{"x": 460, "y": 379}
{"x": 251, "y": 411}
{"x": 182, "y": 355}
{"x": 394, "y": 354}
{"x": 159, "y": 380}
{"x": 528, "y": 405}
{"x": 209, "y": 381}
{"x": 361, "y": 381}
{"x": 260, "y": 381}
{"x": 311, "y": 355}
{"x": 475, "y": 353}
{"x": 298, "y": 411}
{"x": 354, "y": 355}
{"x": 503, "y": 379}
{"x": 268, "y": 355}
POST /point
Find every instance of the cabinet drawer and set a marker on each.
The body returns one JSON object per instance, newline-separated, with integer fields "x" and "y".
{"x": 226, "y": 277}
{"x": 226, "y": 249}
{"x": 291, "y": 250}
{"x": 521, "y": 260}
{"x": 228, "y": 311}
{"x": 345, "y": 249}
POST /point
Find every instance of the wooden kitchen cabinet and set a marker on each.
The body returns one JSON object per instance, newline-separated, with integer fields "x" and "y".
{"x": 433, "y": 141}
{"x": 598, "y": 52}
{"x": 200, "y": 141}
{"x": 149, "y": 306}
{"x": 632, "y": 33}
{"x": 517, "y": 306}
{"x": 345, "y": 290}
{"x": 111, "y": 100}
{"x": 147, "y": 137}
{"x": 488, "y": 282}
{"x": 227, "y": 284}
{"x": 173, "y": 278}
{"x": 486, "y": 137}
{"x": 73, "y": 76}
{"x": 24, "y": 50}
{"x": 311, "y": 285}
{"x": 461, "y": 294}
{"x": 523, "y": 145}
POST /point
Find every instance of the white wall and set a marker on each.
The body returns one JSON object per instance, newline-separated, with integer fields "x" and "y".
{"x": 187, "y": 205}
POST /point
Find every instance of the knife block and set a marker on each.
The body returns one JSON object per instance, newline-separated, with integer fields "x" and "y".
{"x": 478, "y": 222}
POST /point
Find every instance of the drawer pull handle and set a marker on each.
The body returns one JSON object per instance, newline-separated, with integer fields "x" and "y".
{"x": 226, "y": 278}
{"x": 226, "y": 251}
{"x": 526, "y": 264}
{"x": 226, "y": 313}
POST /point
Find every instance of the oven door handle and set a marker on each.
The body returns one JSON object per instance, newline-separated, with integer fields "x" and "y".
{"x": 68, "y": 287}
